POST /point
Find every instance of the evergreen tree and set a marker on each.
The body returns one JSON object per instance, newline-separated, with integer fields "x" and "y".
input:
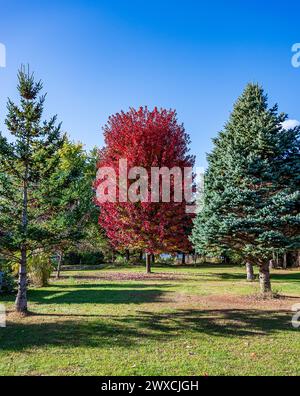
{"x": 251, "y": 196}
{"x": 26, "y": 167}
{"x": 75, "y": 215}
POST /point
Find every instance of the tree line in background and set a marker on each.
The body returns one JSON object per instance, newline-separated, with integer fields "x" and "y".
{"x": 48, "y": 211}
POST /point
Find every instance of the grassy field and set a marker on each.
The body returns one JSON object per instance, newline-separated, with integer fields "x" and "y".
{"x": 177, "y": 321}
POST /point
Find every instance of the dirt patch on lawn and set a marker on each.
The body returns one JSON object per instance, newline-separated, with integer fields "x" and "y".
{"x": 130, "y": 276}
{"x": 281, "y": 303}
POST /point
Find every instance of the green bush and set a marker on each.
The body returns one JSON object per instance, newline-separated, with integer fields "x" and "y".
{"x": 39, "y": 269}
{"x": 166, "y": 260}
{"x": 121, "y": 260}
{"x": 86, "y": 258}
{"x": 7, "y": 282}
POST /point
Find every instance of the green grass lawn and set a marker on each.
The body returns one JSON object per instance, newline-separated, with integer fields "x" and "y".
{"x": 177, "y": 321}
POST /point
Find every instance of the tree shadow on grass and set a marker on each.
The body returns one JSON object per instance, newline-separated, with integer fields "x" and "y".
{"x": 286, "y": 277}
{"x": 121, "y": 285}
{"x": 96, "y": 295}
{"x": 130, "y": 330}
{"x": 215, "y": 276}
{"x": 65, "y": 334}
{"x": 222, "y": 322}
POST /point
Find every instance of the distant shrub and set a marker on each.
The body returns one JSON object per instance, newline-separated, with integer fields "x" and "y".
{"x": 7, "y": 279}
{"x": 39, "y": 269}
{"x": 166, "y": 260}
{"x": 85, "y": 258}
{"x": 7, "y": 282}
{"x": 135, "y": 260}
{"x": 15, "y": 269}
{"x": 121, "y": 260}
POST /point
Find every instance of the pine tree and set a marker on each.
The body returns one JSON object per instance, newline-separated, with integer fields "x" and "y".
{"x": 26, "y": 166}
{"x": 251, "y": 196}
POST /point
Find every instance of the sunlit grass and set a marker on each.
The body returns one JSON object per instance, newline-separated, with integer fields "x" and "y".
{"x": 179, "y": 321}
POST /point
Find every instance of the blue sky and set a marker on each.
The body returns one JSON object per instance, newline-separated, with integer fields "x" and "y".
{"x": 99, "y": 57}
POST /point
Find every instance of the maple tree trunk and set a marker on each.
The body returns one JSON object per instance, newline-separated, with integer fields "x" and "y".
{"x": 183, "y": 259}
{"x": 153, "y": 258}
{"x": 250, "y": 272}
{"x": 148, "y": 263}
{"x": 264, "y": 278}
{"x": 59, "y": 265}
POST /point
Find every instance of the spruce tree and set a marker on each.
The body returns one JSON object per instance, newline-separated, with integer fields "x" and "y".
{"x": 252, "y": 186}
{"x": 26, "y": 166}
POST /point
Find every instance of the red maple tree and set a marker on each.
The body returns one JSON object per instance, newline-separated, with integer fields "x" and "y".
{"x": 145, "y": 139}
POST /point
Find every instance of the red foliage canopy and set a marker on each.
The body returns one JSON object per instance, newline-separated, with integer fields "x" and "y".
{"x": 146, "y": 139}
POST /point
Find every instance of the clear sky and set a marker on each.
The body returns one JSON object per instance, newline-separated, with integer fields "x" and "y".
{"x": 99, "y": 57}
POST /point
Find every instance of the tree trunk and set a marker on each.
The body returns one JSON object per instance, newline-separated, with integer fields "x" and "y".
{"x": 264, "y": 278}
{"x": 127, "y": 255}
{"x": 273, "y": 262}
{"x": 250, "y": 272}
{"x": 59, "y": 265}
{"x": 21, "y": 299}
{"x": 277, "y": 260}
{"x": 141, "y": 256}
{"x": 284, "y": 265}
{"x": 148, "y": 263}
{"x": 153, "y": 258}
{"x": 183, "y": 259}
{"x": 226, "y": 259}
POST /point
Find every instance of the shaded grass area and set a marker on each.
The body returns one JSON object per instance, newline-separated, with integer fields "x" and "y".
{"x": 188, "y": 321}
